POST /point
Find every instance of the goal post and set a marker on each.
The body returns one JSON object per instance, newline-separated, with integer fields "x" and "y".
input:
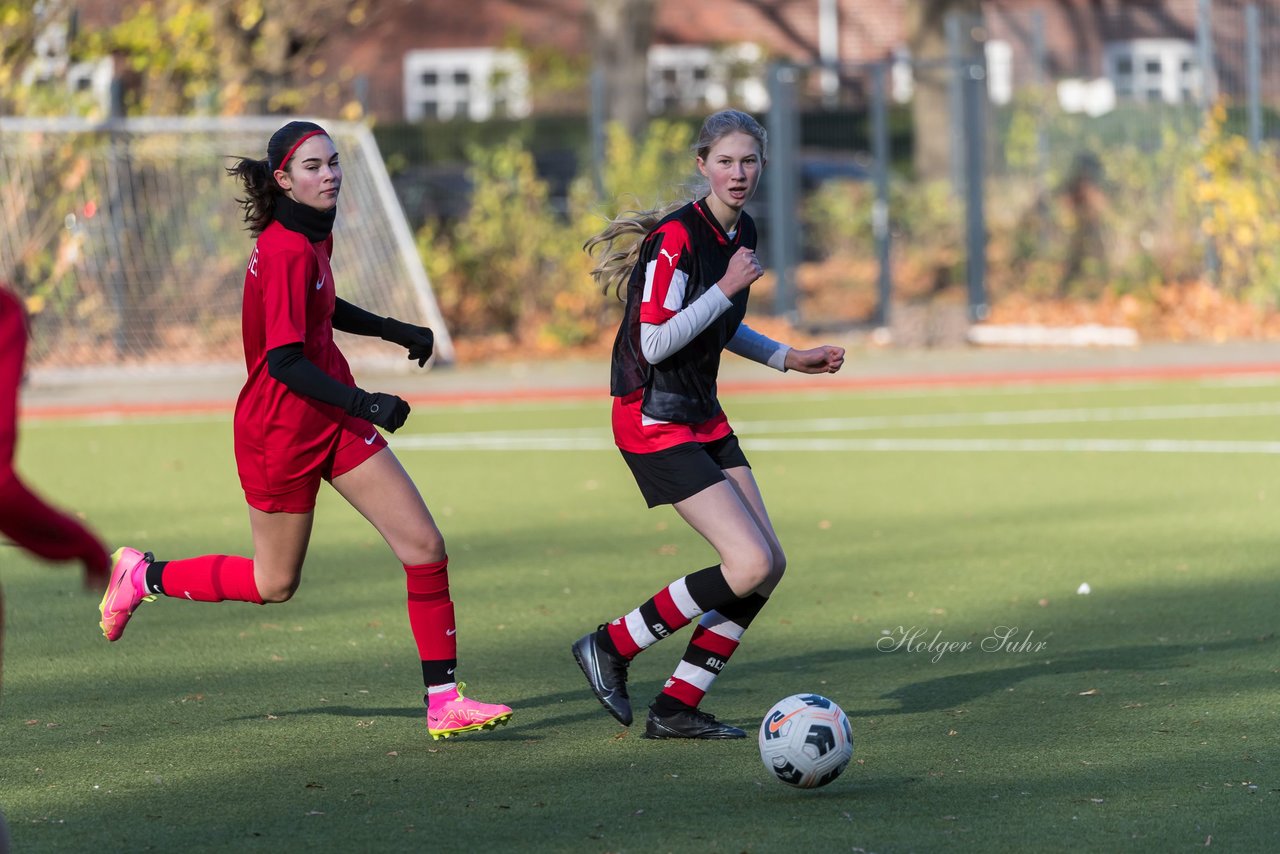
{"x": 126, "y": 240}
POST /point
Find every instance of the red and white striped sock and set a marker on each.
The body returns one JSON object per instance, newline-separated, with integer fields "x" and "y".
{"x": 674, "y": 607}
{"x": 714, "y": 640}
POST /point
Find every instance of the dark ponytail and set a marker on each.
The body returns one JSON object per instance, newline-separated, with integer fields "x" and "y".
{"x": 258, "y": 176}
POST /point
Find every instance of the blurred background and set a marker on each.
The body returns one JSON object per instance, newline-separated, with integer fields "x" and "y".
{"x": 936, "y": 170}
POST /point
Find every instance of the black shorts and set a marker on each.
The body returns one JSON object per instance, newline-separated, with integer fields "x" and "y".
{"x": 674, "y": 474}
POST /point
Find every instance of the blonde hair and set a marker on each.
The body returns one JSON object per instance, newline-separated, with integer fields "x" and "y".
{"x": 618, "y": 244}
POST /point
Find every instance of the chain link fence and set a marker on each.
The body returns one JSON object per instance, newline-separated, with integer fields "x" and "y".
{"x": 1101, "y": 153}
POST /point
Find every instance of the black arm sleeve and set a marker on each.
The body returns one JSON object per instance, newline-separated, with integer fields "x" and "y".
{"x": 354, "y": 319}
{"x": 288, "y": 365}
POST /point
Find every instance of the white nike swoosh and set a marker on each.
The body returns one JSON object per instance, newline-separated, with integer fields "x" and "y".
{"x": 449, "y": 632}
{"x": 372, "y": 438}
{"x": 320, "y": 284}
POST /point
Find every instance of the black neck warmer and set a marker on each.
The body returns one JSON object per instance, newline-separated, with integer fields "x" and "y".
{"x": 315, "y": 225}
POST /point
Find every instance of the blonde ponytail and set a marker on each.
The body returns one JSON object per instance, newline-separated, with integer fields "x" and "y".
{"x": 618, "y": 246}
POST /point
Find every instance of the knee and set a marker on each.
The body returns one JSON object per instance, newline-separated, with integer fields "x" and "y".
{"x": 779, "y": 567}
{"x": 776, "y": 571}
{"x": 275, "y": 587}
{"x": 274, "y": 593}
{"x": 748, "y": 568}
{"x": 426, "y": 547}
{"x": 773, "y": 575}
{"x": 758, "y": 567}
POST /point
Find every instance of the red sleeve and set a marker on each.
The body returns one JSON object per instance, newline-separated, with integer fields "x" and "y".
{"x": 285, "y": 277}
{"x": 668, "y": 261}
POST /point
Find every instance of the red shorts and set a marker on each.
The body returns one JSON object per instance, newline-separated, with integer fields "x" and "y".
{"x": 290, "y": 483}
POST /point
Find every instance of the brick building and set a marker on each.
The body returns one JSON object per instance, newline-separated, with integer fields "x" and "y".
{"x": 416, "y": 59}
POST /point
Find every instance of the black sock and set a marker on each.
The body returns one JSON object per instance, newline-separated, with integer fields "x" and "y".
{"x": 606, "y": 642}
{"x": 155, "y": 577}
{"x": 664, "y": 705}
{"x": 439, "y": 672}
{"x": 703, "y": 655}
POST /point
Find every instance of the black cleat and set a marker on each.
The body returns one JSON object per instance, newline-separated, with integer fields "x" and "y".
{"x": 606, "y": 674}
{"x": 693, "y": 723}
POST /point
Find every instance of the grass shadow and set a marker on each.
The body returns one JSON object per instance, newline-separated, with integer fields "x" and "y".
{"x": 948, "y": 692}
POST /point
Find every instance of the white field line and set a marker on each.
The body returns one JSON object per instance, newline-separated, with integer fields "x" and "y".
{"x": 968, "y": 446}
{"x": 595, "y": 439}
{"x": 509, "y": 442}
{"x": 1103, "y": 415}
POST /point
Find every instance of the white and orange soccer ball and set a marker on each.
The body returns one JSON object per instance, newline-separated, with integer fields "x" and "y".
{"x": 806, "y": 740}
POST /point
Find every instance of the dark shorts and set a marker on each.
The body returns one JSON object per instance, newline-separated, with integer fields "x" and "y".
{"x": 677, "y": 473}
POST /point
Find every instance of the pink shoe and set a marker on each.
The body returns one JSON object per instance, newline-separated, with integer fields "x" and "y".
{"x": 462, "y": 714}
{"x": 126, "y": 590}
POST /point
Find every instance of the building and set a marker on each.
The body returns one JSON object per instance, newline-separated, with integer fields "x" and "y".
{"x": 409, "y": 60}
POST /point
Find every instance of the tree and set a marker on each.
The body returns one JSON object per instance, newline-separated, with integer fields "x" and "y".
{"x": 621, "y": 32}
{"x": 931, "y": 106}
{"x": 228, "y": 57}
{"x": 22, "y": 24}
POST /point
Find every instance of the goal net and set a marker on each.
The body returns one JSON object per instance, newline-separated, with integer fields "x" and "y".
{"x": 127, "y": 242}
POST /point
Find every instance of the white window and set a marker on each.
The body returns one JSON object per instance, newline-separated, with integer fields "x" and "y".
{"x": 467, "y": 83}
{"x": 695, "y": 77}
{"x": 999, "y": 71}
{"x": 52, "y": 66}
{"x": 1153, "y": 70}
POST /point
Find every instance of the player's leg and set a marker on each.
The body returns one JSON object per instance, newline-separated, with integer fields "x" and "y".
{"x": 44, "y": 531}
{"x": 749, "y": 491}
{"x": 272, "y": 575}
{"x": 382, "y": 491}
{"x": 25, "y": 518}
{"x": 720, "y": 515}
{"x": 717, "y": 635}
{"x": 689, "y": 477}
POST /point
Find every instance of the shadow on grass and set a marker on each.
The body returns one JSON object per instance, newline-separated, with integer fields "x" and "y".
{"x": 940, "y": 694}
{"x": 513, "y": 731}
{"x": 948, "y": 692}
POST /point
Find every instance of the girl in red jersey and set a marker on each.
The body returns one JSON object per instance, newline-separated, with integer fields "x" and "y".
{"x": 300, "y": 419}
{"x": 688, "y": 271}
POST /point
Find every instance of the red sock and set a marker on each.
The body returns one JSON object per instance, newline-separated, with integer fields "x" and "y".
{"x": 673, "y": 608}
{"x": 431, "y": 619}
{"x": 714, "y": 641}
{"x": 210, "y": 578}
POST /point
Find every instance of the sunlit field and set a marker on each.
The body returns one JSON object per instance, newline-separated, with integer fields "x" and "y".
{"x": 938, "y": 541}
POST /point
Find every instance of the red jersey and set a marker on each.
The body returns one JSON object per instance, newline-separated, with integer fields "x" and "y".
{"x": 288, "y": 299}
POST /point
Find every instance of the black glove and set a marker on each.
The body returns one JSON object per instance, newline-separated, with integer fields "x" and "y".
{"x": 385, "y": 410}
{"x": 419, "y": 340}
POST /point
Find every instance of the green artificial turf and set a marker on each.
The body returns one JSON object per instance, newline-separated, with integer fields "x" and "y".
{"x": 1139, "y": 717}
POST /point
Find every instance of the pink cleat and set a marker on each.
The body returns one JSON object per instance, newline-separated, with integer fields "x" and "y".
{"x": 459, "y": 714}
{"x": 126, "y": 590}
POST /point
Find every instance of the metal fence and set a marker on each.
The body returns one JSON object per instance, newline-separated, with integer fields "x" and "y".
{"x": 1077, "y": 166}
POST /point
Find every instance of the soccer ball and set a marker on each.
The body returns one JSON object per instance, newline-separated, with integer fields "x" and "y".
{"x": 805, "y": 740}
